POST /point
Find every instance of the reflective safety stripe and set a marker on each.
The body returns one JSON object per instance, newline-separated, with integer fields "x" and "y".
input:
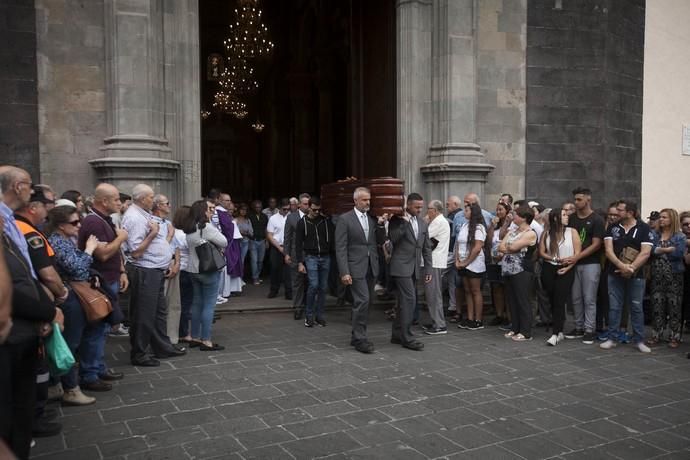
{"x": 26, "y": 229}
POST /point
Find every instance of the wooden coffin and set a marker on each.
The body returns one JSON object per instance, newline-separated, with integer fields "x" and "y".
{"x": 387, "y": 195}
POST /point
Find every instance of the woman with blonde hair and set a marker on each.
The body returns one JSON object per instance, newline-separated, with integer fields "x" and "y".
{"x": 667, "y": 272}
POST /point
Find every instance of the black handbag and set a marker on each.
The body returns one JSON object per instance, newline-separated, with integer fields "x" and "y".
{"x": 210, "y": 257}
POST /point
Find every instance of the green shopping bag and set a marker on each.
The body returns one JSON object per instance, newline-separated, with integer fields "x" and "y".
{"x": 60, "y": 359}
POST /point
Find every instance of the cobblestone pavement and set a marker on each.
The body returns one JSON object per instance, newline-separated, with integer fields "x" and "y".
{"x": 280, "y": 390}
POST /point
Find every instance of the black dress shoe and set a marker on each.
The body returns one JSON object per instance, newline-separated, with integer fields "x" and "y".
{"x": 364, "y": 347}
{"x": 98, "y": 385}
{"x": 175, "y": 352}
{"x": 396, "y": 340}
{"x": 151, "y": 362}
{"x": 272, "y": 295}
{"x": 42, "y": 428}
{"x": 414, "y": 345}
{"x": 110, "y": 376}
{"x": 49, "y": 414}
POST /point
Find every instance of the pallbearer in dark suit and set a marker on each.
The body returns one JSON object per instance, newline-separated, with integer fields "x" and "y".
{"x": 410, "y": 260}
{"x": 357, "y": 235}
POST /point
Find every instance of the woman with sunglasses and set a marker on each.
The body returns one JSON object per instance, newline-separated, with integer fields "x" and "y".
{"x": 89, "y": 338}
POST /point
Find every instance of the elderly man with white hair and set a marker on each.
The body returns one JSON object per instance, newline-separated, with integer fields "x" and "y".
{"x": 149, "y": 263}
{"x": 439, "y": 235}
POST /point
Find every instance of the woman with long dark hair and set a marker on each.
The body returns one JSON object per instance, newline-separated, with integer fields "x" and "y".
{"x": 668, "y": 267}
{"x": 558, "y": 244}
{"x": 494, "y": 269}
{"x": 204, "y": 285}
{"x": 517, "y": 266}
{"x": 469, "y": 259}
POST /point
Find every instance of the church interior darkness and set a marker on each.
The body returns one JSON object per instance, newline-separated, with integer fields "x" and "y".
{"x": 326, "y": 97}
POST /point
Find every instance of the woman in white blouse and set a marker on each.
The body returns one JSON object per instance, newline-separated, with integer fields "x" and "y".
{"x": 557, "y": 245}
{"x": 205, "y": 285}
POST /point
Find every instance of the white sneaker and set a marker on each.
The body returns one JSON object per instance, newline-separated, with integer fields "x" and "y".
{"x": 378, "y": 289}
{"x": 553, "y": 340}
{"x": 75, "y": 397}
{"x": 643, "y": 348}
{"x": 608, "y": 344}
{"x": 221, "y": 300}
{"x": 55, "y": 392}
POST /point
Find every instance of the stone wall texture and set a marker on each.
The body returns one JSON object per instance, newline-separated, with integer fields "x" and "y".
{"x": 584, "y": 99}
{"x": 501, "y": 89}
{"x": 18, "y": 99}
{"x": 71, "y": 90}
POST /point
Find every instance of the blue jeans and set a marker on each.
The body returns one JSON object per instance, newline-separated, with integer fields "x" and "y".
{"x": 205, "y": 286}
{"x": 244, "y": 248}
{"x": 621, "y": 289}
{"x": 86, "y": 341}
{"x": 186, "y": 299}
{"x": 257, "y": 252}
{"x": 317, "y": 272}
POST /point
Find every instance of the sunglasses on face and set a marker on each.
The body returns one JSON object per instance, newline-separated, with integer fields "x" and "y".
{"x": 74, "y": 223}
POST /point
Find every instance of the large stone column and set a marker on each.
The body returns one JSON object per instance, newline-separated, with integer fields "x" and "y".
{"x": 454, "y": 162}
{"x": 136, "y": 148}
{"x": 414, "y": 89}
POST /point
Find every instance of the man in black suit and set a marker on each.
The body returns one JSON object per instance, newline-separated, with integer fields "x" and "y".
{"x": 410, "y": 260}
{"x": 357, "y": 235}
{"x": 299, "y": 280}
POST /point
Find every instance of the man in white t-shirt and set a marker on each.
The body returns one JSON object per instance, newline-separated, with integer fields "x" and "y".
{"x": 275, "y": 233}
{"x": 439, "y": 235}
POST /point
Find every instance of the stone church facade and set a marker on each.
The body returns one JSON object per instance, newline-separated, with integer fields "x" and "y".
{"x": 530, "y": 97}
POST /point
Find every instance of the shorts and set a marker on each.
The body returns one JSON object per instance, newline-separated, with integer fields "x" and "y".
{"x": 470, "y": 274}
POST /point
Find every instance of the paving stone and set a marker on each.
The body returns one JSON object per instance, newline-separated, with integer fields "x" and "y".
{"x": 122, "y": 446}
{"x": 295, "y": 400}
{"x": 458, "y": 417}
{"x": 165, "y": 453}
{"x": 374, "y": 435}
{"x": 608, "y": 430}
{"x": 265, "y": 437}
{"x": 316, "y": 427}
{"x": 494, "y": 452}
{"x": 395, "y": 450}
{"x": 575, "y": 438}
{"x": 204, "y": 400}
{"x": 665, "y": 440}
{"x": 472, "y": 437}
{"x": 583, "y": 412}
{"x": 147, "y": 425}
{"x": 82, "y": 453}
{"x": 334, "y": 408}
{"x": 321, "y": 446}
{"x": 295, "y": 386}
{"x": 631, "y": 449}
{"x": 193, "y": 417}
{"x": 92, "y": 434}
{"x": 405, "y": 410}
{"x": 233, "y": 426}
{"x": 548, "y": 419}
{"x": 433, "y": 445}
{"x": 365, "y": 417}
{"x": 52, "y": 444}
{"x": 171, "y": 437}
{"x": 244, "y": 409}
{"x": 256, "y": 392}
{"x": 218, "y": 447}
{"x": 137, "y": 411}
{"x": 535, "y": 447}
{"x": 285, "y": 417}
{"x": 509, "y": 428}
{"x": 337, "y": 394}
{"x": 416, "y": 426}
{"x": 267, "y": 453}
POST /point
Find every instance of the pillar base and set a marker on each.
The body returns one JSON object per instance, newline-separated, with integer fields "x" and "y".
{"x": 126, "y": 172}
{"x": 455, "y": 169}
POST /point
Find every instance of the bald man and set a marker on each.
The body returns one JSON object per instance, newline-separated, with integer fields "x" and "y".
{"x": 16, "y": 189}
{"x": 94, "y": 374}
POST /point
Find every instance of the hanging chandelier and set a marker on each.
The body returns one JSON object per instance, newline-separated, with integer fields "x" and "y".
{"x": 238, "y": 78}
{"x": 258, "y": 126}
{"x": 228, "y": 103}
{"x": 248, "y": 35}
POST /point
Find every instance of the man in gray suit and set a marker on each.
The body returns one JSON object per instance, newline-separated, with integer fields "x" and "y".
{"x": 299, "y": 280}
{"x": 409, "y": 237}
{"x": 357, "y": 235}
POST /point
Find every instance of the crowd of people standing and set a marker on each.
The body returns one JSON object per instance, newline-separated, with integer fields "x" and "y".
{"x": 175, "y": 267}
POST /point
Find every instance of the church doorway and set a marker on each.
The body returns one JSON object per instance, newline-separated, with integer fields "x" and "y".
{"x": 326, "y": 98}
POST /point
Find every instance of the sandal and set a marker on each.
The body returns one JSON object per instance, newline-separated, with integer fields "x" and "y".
{"x": 213, "y": 347}
{"x": 195, "y": 343}
{"x": 674, "y": 343}
{"x": 509, "y": 335}
{"x": 653, "y": 341}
